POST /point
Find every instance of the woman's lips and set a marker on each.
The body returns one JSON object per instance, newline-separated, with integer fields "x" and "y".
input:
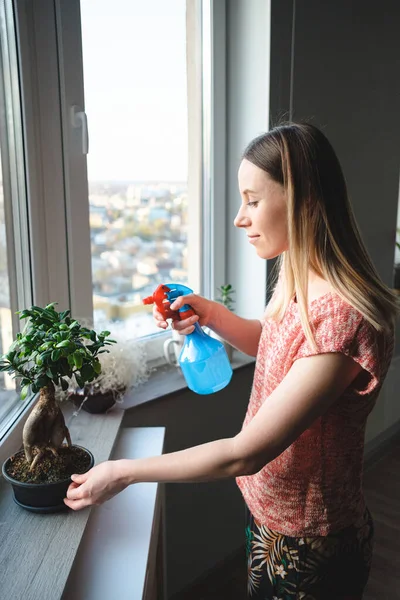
{"x": 253, "y": 238}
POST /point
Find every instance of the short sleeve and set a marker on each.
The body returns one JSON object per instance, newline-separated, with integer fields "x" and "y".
{"x": 338, "y": 327}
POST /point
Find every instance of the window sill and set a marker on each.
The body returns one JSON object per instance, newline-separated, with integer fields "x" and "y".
{"x": 167, "y": 379}
{"x": 34, "y": 543}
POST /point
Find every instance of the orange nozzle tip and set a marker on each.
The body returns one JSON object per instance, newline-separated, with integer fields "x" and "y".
{"x": 148, "y": 300}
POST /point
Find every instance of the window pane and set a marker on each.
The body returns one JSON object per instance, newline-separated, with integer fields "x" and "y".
{"x": 7, "y": 385}
{"x": 134, "y": 59}
{"x": 13, "y": 243}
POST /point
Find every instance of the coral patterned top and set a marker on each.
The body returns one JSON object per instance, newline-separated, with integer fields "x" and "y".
{"x": 314, "y": 487}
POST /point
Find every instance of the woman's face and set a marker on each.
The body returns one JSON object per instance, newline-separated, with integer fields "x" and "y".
{"x": 263, "y": 213}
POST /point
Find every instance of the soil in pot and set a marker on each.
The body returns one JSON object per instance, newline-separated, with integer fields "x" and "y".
{"x": 50, "y": 469}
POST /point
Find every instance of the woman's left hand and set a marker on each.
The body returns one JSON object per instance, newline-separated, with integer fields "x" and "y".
{"x": 96, "y": 486}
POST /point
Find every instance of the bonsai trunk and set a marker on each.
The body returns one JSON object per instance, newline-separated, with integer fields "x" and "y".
{"x": 45, "y": 428}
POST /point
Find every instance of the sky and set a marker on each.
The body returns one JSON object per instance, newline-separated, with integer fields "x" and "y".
{"x": 134, "y": 62}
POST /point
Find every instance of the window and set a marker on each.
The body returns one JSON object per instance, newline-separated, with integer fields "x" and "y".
{"x": 135, "y": 89}
{"x": 15, "y": 273}
{"x": 141, "y": 190}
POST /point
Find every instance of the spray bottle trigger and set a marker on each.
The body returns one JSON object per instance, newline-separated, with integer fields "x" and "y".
{"x": 186, "y": 311}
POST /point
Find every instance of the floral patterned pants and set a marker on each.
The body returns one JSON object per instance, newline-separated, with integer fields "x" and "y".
{"x": 333, "y": 567}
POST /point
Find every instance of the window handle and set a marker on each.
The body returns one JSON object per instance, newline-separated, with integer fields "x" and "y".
{"x": 79, "y": 120}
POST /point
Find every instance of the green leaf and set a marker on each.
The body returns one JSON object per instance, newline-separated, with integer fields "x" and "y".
{"x": 64, "y": 366}
{"x": 97, "y": 367}
{"x": 42, "y": 381}
{"x": 55, "y": 355}
{"x": 51, "y": 306}
{"x": 24, "y": 392}
{"x": 63, "y": 344}
{"x": 78, "y": 359}
{"x": 45, "y": 346}
{"x": 80, "y": 381}
{"x": 87, "y": 371}
{"x": 23, "y": 314}
{"x": 64, "y": 384}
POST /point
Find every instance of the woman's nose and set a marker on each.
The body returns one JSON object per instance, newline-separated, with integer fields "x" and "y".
{"x": 241, "y": 220}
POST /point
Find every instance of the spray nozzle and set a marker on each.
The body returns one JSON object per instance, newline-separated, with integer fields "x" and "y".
{"x": 164, "y": 296}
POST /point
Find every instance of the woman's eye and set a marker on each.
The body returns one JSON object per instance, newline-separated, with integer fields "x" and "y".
{"x": 252, "y": 203}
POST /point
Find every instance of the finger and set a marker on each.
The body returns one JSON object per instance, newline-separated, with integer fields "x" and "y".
{"x": 76, "y": 504}
{"x": 181, "y": 326}
{"x": 76, "y": 493}
{"x": 158, "y": 316}
{"x": 160, "y": 319}
{"x": 79, "y": 477}
{"x": 181, "y": 300}
{"x": 73, "y": 485}
{"x": 187, "y": 331}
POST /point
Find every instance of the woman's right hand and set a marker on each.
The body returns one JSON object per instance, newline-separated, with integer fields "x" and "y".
{"x": 202, "y": 307}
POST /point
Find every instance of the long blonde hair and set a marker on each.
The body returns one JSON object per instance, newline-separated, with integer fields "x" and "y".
{"x": 322, "y": 231}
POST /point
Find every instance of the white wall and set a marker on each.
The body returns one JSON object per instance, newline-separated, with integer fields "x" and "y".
{"x": 248, "y": 58}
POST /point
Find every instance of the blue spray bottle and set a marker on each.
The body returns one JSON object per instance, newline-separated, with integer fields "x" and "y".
{"x": 203, "y": 360}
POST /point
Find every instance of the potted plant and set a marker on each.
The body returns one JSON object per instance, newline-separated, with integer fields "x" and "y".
{"x": 50, "y": 348}
{"x": 396, "y": 269}
{"x": 123, "y": 367}
{"x": 225, "y": 297}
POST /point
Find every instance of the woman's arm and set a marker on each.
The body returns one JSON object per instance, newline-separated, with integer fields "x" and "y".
{"x": 207, "y": 462}
{"x": 243, "y": 334}
{"x": 310, "y": 387}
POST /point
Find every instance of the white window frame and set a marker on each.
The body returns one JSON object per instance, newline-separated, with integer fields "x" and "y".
{"x": 206, "y": 234}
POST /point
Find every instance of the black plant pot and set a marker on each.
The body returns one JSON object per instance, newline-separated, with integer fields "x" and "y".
{"x": 97, "y": 402}
{"x": 41, "y": 497}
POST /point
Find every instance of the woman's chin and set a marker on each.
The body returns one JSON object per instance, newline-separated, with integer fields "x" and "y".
{"x": 263, "y": 253}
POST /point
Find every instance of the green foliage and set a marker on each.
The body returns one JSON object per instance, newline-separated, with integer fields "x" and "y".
{"x": 53, "y": 346}
{"x": 397, "y": 243}
{"x": 225, "y": 297}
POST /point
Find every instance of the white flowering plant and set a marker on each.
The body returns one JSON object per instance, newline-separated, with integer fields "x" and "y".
{"x": 123, "y": 368}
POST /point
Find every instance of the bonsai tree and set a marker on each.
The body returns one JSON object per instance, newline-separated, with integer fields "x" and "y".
{"x": 225, "y": 296}
{"x": 51, "y": 348}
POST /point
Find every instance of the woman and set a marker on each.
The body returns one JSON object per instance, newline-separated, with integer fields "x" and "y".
{"x": 323, "y": 350}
